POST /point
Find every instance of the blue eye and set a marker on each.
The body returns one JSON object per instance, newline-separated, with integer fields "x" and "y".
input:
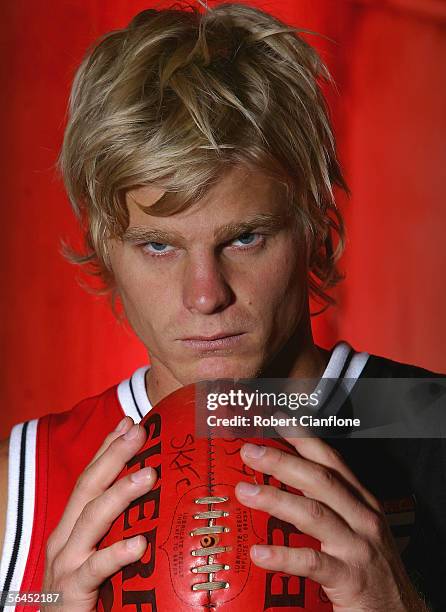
{"x": 156, "y": 247}
{"x": 248, "y": 239}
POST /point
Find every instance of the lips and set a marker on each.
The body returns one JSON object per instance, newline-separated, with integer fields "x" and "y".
{"x": 222, "y": 340}
{"x": 214, "y": 336}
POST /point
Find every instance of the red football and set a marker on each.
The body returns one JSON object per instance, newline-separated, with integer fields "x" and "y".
{"x": 198, "y": 534}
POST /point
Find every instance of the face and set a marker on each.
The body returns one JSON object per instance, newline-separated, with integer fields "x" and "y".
{"x": 214, "y": 291}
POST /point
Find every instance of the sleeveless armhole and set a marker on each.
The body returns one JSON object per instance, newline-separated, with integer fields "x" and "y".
{"x": 41, "y": 476}
{"x": 36, "y": 550}
{"x": 20, "y": 506}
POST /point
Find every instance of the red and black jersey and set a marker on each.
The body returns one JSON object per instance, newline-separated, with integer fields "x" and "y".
{"x": 47, "y": 455}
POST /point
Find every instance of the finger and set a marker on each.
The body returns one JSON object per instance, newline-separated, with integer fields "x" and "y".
{"x": 317, "y": 450}
{"x": 122, "y": 427}
{"x": 98, "y": 515}
{"x": 307, "y": 562}
{"x": 96, "y": 478}
{"x": 104, "y": 563}
{"x": 313, "y": 480}
{"x": 308, "y": 515}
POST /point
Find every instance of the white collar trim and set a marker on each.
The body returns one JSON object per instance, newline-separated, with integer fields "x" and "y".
{"x": 133, "y": 398}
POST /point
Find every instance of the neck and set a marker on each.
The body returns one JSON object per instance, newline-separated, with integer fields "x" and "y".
{"x": 298, "y": 358}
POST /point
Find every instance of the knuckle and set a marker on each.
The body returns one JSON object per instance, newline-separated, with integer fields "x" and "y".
{"x": 369, "y": 554}
{"x": 51, "y": 547}
{"x": 269, "y": 497}
{"x": 280, "y": 457}
{"x": 88, "y": 513}
{"x": 276, "y": 459}
{"x": 93, "y": 567}
{"x": 280, "y": 461}
{"x": 357, "y": 580}
{"x": 375, "y": 526}
{"x": 122, "y": 489}
{"x": 54, "y": 570}
{"x": 324, "y": 477}
{"x": 83, "y": 482}
{"x": 365, "y": 555}
{"x": 115, "y": 445}
{"x": 312, "y": 559}
{"x": 120, "y": 449}
{"x": 273, "y": 494}
{"x": 315, "y": 509}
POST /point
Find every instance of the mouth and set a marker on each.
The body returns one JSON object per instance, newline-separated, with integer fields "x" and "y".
{"x": 214, "y": 342}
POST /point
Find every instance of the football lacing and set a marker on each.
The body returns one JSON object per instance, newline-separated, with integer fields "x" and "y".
{"x": 210, "y": 550}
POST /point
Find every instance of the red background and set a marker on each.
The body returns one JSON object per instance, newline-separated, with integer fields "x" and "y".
{"x": 61, "y": 344}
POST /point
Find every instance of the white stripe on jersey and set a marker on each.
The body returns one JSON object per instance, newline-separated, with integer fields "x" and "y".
{"x": 20, "y": 512}
{"x": 132, "y": 395}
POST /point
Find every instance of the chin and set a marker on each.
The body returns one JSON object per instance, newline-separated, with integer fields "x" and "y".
{"x": 212, "y": 368}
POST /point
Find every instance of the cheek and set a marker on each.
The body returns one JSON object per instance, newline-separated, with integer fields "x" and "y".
{"x": 274, "y": 294}
{"x": 281, "y": 282}
{"x": 144, "y": 296}
{"x": 146, "y": 301}
{"x": 146, "y": 315}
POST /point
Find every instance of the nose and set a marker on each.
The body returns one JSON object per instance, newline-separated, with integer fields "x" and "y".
{"x": 205, "y": 289}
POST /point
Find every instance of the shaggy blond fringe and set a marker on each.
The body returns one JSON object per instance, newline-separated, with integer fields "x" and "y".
{"x": 180, "y": 96}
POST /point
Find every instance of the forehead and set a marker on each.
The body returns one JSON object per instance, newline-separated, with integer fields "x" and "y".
{"x": 241, "y": 192}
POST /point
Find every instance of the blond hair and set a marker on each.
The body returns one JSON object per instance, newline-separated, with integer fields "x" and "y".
{"x": 179, "y": 96}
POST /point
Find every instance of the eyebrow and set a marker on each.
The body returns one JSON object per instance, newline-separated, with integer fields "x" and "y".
{"x": 145, "y": 234}
{"x": 267, "y": 222}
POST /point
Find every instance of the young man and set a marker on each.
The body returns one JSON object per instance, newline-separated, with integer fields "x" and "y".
{"x": 200, "y": 158}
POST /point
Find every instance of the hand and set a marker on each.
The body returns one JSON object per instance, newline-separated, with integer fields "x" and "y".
{"x": 73, "y": 565}
{"x": 358, "y": 565}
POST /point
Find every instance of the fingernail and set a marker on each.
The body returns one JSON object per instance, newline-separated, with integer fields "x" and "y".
{"x": 244, "y": 488}
{"x": 133, "y": 543}
{"x": 121, "y": 424}
{"x": 132, "y": 433}
{"x": 260, "y": 552}
{"x": 254, "y": 450}
{"x": 142, "y": 475}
